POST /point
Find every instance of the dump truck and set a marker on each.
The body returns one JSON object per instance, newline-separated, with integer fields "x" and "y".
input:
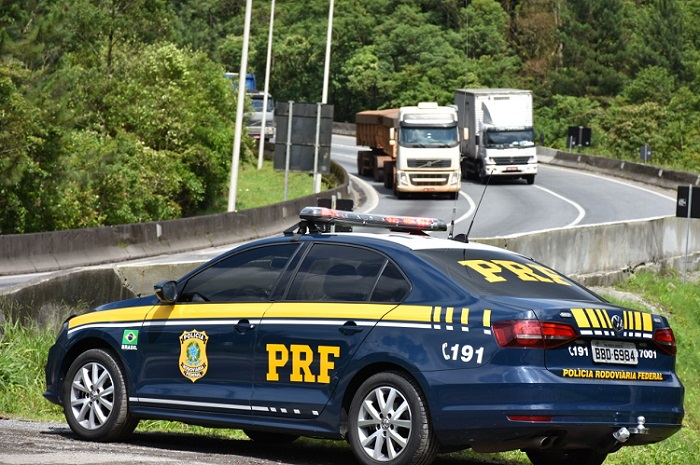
{"x": 412, "y": 149}
{"x": 498, "y": 135}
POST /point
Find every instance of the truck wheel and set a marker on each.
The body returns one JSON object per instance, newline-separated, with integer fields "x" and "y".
{"x": 95, "y": 398}
{"x": 566, "y": 457}
{"x": 480, "y": 173}
{"x": 389, "y": 423}
{"x": 530, "y": 178}
{"x": 388, "y": 178}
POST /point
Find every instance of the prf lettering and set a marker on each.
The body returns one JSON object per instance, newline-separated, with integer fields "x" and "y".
{"x": 493, "y": 270}
{"x": 301, "y": 357}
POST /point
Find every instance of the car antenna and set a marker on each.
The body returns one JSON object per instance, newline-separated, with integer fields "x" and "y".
{"x": 465, "y": 237}
{"x": 454, "y": 213}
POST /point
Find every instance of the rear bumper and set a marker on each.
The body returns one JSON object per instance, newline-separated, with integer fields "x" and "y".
{"x": 526, "y": 405}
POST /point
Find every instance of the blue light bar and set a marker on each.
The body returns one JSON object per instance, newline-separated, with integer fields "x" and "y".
{"x": 405, "y": 223}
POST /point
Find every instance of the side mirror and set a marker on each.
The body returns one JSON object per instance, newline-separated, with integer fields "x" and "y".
{"x": 166, "y": 291}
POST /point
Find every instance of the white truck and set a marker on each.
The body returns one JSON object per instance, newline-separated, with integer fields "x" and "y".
{"x": 254, "y": 119}
{"x": 499, "y": 139}
{"x": 413, "y": 149}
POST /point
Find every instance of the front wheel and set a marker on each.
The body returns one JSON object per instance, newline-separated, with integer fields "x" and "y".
{"x": 566, "y": 457}
{"x": 389, "y": 422}
{"x": 95, "y": 399}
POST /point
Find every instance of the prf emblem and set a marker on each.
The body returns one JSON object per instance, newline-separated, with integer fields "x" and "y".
{"x": 193, "y": 354}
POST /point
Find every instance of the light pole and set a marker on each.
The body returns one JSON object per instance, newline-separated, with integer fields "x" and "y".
{"x": 326, "y": 72}
{"x": 267, "y": 86}
{"x": 233, "y": 185}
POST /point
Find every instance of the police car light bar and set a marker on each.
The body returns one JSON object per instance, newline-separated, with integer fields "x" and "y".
{"x": 404, "y": 223}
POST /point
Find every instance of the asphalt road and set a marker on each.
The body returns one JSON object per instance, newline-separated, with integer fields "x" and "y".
{"x": 560, "y": 198}
{"x": 25, "y": 443}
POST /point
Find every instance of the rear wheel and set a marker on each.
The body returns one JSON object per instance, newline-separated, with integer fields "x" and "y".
{"x": 566, "y": 457}
{"x": 389, "y": 423}
{"x": 95, "y": 399}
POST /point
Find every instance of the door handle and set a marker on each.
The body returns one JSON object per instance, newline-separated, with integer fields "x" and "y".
{"x": 350, "y": 328}
{"x": 244, "y": 326}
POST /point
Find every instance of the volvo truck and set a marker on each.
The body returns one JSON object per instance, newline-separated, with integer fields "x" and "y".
{"x": 412, "y": 149}
{"x": 499, "y": 139}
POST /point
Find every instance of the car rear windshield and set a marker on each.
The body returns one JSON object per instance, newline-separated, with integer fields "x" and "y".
{"x": 496, "y": 273}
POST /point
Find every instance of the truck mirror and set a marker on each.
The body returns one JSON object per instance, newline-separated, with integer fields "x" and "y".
{"x": 476, "y": 139}
{"x": 392, "y": 135}
{"x": 465, "y": 135}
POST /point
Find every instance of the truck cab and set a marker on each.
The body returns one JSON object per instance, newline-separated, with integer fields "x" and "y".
{"x": 254, "y": 118}
{"x": 499, "y": 136}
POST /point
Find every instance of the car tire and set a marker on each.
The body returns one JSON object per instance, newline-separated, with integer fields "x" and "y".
{"x": 389, "y": 423}
{"x": 95, "y": 398}
{"x": 266, "y": 437}
{"x": 566, "y": 457}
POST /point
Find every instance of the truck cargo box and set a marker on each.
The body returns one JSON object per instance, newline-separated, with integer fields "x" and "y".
{"x": 373, "y": 129}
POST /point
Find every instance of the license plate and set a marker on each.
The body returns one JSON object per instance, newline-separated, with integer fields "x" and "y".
{"x": 512, "y": 168}
{"x": 613, "y": 352}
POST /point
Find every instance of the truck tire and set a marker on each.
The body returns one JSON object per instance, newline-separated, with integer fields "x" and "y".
{"x": 364, "y": 162}
{"x": 388, "y": 178}
{"x": 530, "y": 178}
{"x": 481, "y": 173}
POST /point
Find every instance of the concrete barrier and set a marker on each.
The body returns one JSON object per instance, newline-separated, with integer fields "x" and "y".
{"x": 648, "y": 174}
{"x": 605, "y": 254}
{"x": 61, "y": 250}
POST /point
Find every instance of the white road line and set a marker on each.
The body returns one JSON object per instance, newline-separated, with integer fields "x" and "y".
{"x": 581, "y": 211}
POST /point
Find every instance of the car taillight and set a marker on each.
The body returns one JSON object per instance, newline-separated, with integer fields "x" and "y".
{"x": 533, "y": 334}
{"x": 665, "y": 339}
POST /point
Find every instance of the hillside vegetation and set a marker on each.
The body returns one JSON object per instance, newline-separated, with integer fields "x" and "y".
{"x": 116, "y": 111}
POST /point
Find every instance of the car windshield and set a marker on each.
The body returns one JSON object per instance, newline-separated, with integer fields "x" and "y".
{"x": 497, "y": 273}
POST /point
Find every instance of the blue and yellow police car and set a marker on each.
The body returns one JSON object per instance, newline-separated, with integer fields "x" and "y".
{"x": 402, "y": 343}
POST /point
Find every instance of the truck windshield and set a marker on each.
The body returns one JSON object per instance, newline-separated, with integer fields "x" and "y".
{"x": 257, "y": 104}
{"x": 428, "y": 137}
{"x": 517, "y": 138}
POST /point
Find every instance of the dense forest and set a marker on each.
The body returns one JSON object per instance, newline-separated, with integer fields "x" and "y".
{"x": 116, "y": 111}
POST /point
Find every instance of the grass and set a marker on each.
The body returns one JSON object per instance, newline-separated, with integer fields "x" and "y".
{"x": 23, "y": 351}
{"x": 265, "y": 186}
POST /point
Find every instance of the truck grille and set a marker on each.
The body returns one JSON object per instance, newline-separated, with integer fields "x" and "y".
{"x": 511, "y": 160}
{"x": 439, "y": 163}
{"x": 429, "y": 179}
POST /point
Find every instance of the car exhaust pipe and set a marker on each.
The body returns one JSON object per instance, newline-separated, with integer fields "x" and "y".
{"x": 544, "y": 442}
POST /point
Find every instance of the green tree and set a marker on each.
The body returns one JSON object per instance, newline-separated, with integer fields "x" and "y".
{"x": 594, "y": 56}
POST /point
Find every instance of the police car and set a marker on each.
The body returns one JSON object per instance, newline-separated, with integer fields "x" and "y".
{"x": 404, "y": 344}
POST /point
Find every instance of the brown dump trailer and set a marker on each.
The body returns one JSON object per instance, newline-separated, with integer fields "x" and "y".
{"x": 375, "y": 129}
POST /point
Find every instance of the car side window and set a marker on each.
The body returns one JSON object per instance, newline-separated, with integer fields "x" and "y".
{"x": 342, "y": 273}
{"x": 392, "y": 286}
{"x": 248, "y": 276}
